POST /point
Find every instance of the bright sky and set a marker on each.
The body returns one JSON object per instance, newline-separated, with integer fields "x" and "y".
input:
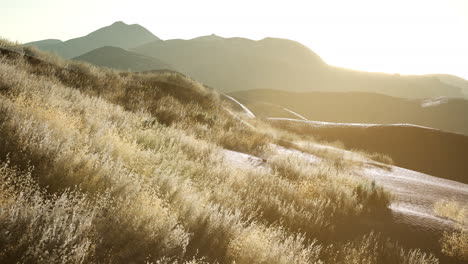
{"x": 395, "y": 36}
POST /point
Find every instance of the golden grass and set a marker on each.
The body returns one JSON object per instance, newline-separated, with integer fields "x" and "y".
{"x": 454, "y": 243}
{"x": 109, "y": 167}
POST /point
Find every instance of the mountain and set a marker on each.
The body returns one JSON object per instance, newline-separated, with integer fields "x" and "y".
{"x": 118, "y": 34}
{"x": 229, "y": 64}
{"x": 122, "y": 59}
{"x": 232, "y": 64}
{"x": 208, "y": 38}
{"x": 443, "y": 113}
{"x": 422, "y": 149}
{"x": 454, "y": 81}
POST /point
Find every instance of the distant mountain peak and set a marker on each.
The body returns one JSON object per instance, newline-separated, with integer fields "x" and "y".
{"x": 119, "y": 23}
{"x": 208, "y": 38}
{"x": 123, "y": 28}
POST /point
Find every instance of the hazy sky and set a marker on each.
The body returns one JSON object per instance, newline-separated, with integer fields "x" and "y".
{"x": 404, "y": 36}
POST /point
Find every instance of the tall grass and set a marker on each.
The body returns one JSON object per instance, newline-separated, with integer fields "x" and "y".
{"x": 109, "y": 167}
{"x": 454, "y": 243}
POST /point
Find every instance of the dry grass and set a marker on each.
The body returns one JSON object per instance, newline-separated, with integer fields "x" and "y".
{"x": 384, "y": 161}
{"x": 375, "y": 249}
{"x": 108, "y": 167}
{"x": 454, "y": 243}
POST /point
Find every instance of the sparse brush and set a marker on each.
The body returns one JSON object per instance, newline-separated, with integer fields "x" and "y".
{"x": 454, "y": 243}
{"x": 383, "y": 158}
{"x": 373, "y": 248}
{"x": 374, "y": 199}
{"x": 37, "y": 228}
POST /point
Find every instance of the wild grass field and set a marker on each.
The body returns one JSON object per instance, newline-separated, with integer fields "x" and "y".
{"x": 101, "y": 166}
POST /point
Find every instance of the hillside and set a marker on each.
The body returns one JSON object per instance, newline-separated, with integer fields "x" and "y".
{"x": 443, "y": 113}
{"x": 100, "y": 166}
{"x": 45, "y": 44}
{"x": 454, "y": 81}
{"x": 118, "y": 34}
{"x": 422, "y": 149}
{"x": 122, "y": 59}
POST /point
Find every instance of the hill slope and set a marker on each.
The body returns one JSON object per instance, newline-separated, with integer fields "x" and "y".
{"x": 130, "y": 167}
{"x": 454, "y": 81}
{"x": 121, "y": 59}
{"x": 444, "y": 113}
{"x": 118, "y": 34}
{"x": 422, "y": 149}
{"x": 45, "y": 44}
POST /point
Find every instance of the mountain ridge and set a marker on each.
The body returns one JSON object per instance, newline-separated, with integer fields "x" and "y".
{"x": 233, "y": 64}
{"x": 117, "y": 34}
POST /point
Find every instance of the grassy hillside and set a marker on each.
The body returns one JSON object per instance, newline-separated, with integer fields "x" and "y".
{"x": 109, "y": 167}
{"x": 444, "y": 113}
{"x": 121, "y": 59}
{"x": 422, "y": 149}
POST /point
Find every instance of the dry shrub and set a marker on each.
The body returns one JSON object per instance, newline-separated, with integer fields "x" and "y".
{"x": 454, "y": 243}
{"x": 37, "y": 228}
{"x": 383, "y": 158}
{"x": 375, "y": 249}
{"x": 373, "y": 198}
{"x": 333, "y": 194}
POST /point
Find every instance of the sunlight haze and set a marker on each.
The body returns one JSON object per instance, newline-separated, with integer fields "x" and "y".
{"x": 398, "y": 36}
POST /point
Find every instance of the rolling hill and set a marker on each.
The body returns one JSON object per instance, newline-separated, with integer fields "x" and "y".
{"x": 454, "y": 81}
{"x": 422, "y": 149}
{"x": 443, "y": 113}
{"x": 45, "y": 44}
{"x": 118, "y": 34}
{"x": 122, "y": 59}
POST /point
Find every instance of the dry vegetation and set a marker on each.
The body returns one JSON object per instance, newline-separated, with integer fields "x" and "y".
{"x": 454, "y": 243}
{"x": 111, "y": 167}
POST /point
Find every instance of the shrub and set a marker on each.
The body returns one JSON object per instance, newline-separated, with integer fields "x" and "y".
{"x": 36, "y": 228}
{"x": 454, "y": 243}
